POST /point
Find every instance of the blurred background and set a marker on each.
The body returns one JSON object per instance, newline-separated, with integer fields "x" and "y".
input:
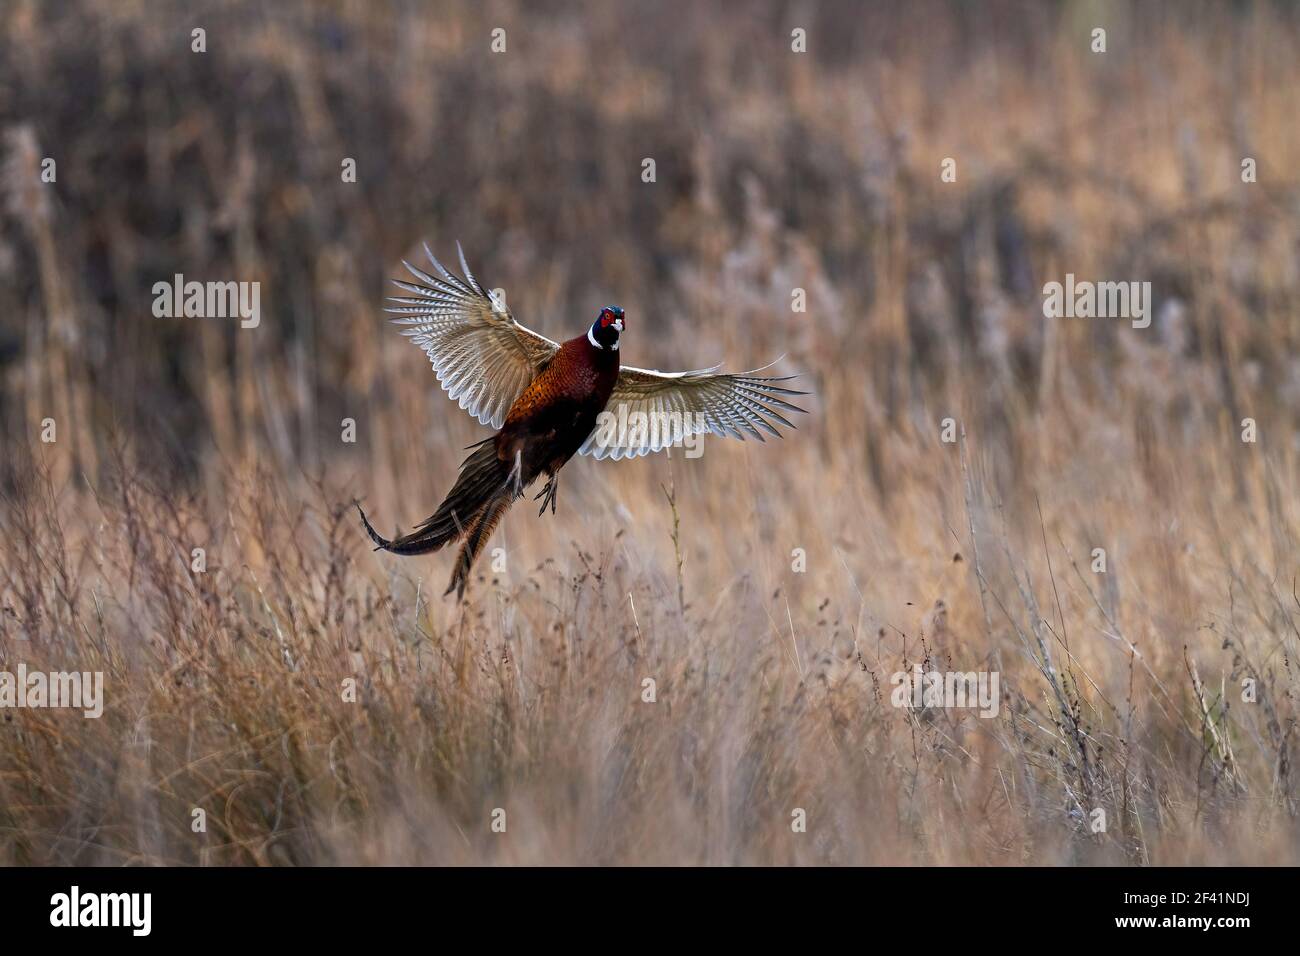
{"x": 775, "y": 171}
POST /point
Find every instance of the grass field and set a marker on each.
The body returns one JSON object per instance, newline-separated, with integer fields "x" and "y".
{"x": 323, "y": 704}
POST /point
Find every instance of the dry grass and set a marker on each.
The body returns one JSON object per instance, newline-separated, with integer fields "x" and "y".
{"x": 1122, "y": 691}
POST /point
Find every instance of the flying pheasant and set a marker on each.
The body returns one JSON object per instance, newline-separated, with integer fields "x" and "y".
{"x": 546, "y": 398}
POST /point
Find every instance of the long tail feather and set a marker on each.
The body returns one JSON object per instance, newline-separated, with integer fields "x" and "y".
{"x": 482, "y": 477}
{"x": 479, "y": 533}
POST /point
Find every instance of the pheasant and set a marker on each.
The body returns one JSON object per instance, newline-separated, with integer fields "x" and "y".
{"x": 545, "y": 398}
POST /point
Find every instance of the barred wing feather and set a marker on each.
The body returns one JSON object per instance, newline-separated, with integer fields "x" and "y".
{"x": 676, "y": 405}
{"x": 481, "y": 356}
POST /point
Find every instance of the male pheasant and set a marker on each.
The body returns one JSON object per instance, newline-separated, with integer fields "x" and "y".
{"x": 545, "y": 398}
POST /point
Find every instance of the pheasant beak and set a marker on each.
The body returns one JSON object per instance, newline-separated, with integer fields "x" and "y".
{"x": 618, "y": 324}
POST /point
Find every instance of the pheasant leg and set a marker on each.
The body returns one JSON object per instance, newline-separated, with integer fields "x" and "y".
{"x": 552, "y": 486}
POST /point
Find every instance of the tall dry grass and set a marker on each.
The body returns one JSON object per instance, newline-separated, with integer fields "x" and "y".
{"x": 1121, "y": 691}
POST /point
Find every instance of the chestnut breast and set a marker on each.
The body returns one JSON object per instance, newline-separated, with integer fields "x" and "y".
{"x": 561, "y": 404}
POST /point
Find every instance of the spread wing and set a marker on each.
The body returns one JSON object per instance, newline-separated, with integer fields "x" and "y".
{"x": 481, "y": 355}
{"x": 675, "y": 405}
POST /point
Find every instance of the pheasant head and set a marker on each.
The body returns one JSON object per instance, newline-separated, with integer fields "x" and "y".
{"x": 604, "y": 332}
